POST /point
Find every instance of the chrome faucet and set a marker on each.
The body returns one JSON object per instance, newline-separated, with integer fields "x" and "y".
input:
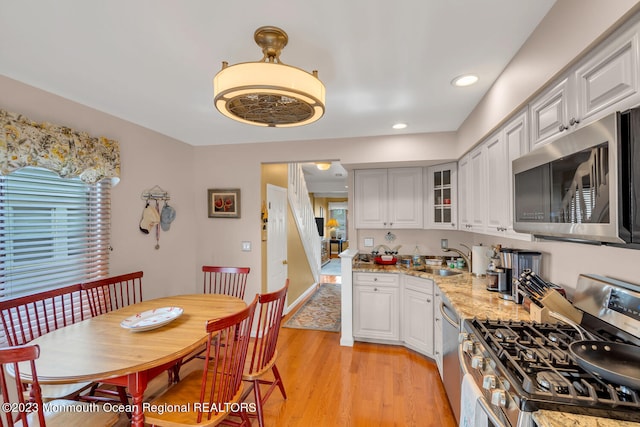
{"x": 466, "y": 257}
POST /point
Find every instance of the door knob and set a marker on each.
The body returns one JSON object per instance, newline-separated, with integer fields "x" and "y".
{"x": 284, "y": 262}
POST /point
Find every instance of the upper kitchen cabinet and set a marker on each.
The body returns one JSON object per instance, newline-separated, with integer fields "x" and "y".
{"x": 472, "y": 189}
{"x": 509, "y": 143}
{"x": 604, "y": 81}
{"x": 441, "y": 199}
{"x": 389, "y": 198}
{"x": 549, "y": 114}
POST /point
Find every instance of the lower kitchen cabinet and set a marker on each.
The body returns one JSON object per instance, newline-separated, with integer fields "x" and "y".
{"x": 376, "y": 306}
{"x": 438, "y": 332}
{"x": 394, "y": 309}
{"x": 417, "y": 314}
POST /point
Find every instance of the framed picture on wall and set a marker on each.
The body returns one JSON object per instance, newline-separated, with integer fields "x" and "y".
{"x": 224, "y": 203}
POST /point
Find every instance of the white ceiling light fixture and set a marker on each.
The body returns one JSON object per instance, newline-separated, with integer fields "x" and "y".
{"x": 399, "y": 126}
{"x": 268, "y": 92}
{"x": 323, "y": 166}
{"x": 465, "y": 80}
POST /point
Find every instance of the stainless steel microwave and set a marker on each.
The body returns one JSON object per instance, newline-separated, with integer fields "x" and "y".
{"x": 582, "y": 186}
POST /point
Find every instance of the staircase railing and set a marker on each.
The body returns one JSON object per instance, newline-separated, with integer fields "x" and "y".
{"x": 305, "y": 218}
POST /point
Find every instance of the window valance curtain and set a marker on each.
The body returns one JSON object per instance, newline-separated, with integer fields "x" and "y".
{"x": 65, "y": 151}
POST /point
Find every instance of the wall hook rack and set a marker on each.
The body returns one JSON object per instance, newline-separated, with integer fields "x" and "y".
{"x": 155, "y": 193}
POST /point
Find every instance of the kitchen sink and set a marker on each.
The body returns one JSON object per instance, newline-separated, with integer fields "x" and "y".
{"x": 441, "y": 271}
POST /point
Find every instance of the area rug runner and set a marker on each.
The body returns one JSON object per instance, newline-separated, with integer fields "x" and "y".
{"x": 320, "y": 312}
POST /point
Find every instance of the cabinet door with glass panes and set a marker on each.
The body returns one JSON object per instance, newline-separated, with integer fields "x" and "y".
{"x": 441, "y": 203}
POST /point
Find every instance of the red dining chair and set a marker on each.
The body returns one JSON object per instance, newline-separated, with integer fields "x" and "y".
{"x": 206, "y": 395}
{"x": 63, "y": 413}
{"x": 112, "y": 293}
{"x": 262, "y": 354}
{"x": 29, "y": 317}
{"x": 225, "y": 280}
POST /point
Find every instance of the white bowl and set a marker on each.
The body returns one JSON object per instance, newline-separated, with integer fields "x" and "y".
{"x": 386, "y": 257}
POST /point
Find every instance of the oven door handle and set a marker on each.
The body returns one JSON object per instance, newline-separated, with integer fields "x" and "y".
{"x": 486, "y": 408}
{"x": 447, "y": 317}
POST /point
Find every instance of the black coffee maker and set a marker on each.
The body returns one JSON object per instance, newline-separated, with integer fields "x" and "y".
{"x": 505, "y": 282}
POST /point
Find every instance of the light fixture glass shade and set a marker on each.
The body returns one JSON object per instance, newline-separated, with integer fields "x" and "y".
{"x": 268, "y": 92}
{"x": 332, "y": 223}
{"x": 323, "y": 166}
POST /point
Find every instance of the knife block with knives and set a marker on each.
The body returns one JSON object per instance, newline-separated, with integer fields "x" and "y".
{"x": 545, "y": 298}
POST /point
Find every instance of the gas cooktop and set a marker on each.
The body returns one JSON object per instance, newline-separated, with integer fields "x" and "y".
{"x": 542, "y": 374}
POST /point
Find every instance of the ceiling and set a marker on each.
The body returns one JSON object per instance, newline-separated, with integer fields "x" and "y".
{"x": 152, "y": 62}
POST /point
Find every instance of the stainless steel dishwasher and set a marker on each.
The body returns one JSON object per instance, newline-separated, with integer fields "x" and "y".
{"x": 451, "y": 371}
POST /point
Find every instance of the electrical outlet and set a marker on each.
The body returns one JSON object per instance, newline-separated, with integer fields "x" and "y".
{"x": 368, "y": 242}
{"x": 246, "y": 246}
{"x": 444, "y": 243}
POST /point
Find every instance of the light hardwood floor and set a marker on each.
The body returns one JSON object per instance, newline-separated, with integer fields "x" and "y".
{"x": 367, "y": 385}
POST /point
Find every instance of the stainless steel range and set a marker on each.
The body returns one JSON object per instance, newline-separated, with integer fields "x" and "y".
{"x": 521, "y": 367}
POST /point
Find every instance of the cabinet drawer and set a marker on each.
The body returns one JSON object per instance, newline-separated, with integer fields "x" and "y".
{"x": 375, "y": 279}
{"x": 418, "y": 284}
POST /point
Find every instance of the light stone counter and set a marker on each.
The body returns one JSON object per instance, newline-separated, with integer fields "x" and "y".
{"x": 469, "y": 297}
{"x": 564, "y": 419}
{"x": 467, "y": 294}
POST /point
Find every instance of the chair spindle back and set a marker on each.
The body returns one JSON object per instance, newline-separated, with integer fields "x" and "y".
{"x": 225, "y": 280}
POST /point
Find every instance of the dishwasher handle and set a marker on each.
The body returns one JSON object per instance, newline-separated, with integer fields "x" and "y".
{"x": 447, "y": 317}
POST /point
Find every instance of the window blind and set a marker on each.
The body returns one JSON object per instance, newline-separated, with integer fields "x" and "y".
{"x": 53, "y": 231}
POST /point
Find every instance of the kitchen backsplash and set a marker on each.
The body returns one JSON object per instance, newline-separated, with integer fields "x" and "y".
{"x": 562, "y": 262}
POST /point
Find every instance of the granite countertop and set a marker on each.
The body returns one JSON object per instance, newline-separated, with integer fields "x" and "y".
{"x": 470, "y": 298}
{"x": 467, "y": 294}
{"x": 546, "y": 418}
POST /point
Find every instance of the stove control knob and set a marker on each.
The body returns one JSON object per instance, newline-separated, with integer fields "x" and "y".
{"x": 468, "y": 346}
{"x": 477, "y": 362}
{"x": 489, "y": 382}
{"x": 499, "y": 398}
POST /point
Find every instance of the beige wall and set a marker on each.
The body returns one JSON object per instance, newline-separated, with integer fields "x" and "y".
{"x": 187, "y": 172}
{"x": 148, "y": 159}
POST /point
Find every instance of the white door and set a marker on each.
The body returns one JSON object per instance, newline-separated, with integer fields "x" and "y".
{"x": 276, "y": 237}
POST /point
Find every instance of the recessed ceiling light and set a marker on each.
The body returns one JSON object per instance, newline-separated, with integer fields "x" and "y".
{"x": 399, "y": 126}
{"x": 465, "y": 80}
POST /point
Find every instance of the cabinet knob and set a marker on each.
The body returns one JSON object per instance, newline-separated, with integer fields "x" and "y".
{"x": 574, "y": 121}
{"x": 453, "y": 224}
{"x": 562, "y": 128}
{"x": 375, "y": 289}
{"x": 375, "y": 279}
{"x": 428, "y": 300}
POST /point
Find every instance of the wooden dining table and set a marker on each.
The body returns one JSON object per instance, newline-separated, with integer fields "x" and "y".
{"x": 100, "y": 349}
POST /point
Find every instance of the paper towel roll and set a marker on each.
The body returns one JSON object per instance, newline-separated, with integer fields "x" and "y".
{"x": 479, "y": 260}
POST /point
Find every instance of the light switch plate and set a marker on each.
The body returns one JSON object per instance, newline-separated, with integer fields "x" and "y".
{"x": 368, "y": 242}
{"x": 246, "y": 246}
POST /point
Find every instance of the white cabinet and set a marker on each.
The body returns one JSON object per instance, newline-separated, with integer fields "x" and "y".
{"x": 497, "y": 184}
{"x": 376, "y": 306}
{"x": 472, "y": 190}
{"x": 441, "y": 199}
{"x": 516, "y": 138}
{"x": 464, "y": 167}
{"x": 608, "y": 77}
{"x": 389, "y": 198}
{"x": 509, "y": 143}
{"x": 604, "y": 81}
{"x": 478, "y": 188}
{"x": 549, "y": 114}
{"x": 438, "y": 332}
{"x": 417, "y": 314}
{"x": 371, "y": 194}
